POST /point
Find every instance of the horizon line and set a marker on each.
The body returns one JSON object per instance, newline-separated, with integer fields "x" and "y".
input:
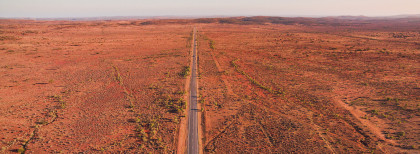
{"x": 211, "y": 16}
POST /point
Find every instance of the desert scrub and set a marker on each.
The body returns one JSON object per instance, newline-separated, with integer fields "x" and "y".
{"x": 185, "y": 71}
{"x": 147, "y": 130}
{"x": 181, "y": 92}
{"x": 29, "y": 32}
{"x": 42, "y": 121}
{"x": 62, "y": 104}
{"x": 175, "y": 120}
{"x": 174, "y": 105}
{"x": 211, "y": 44}
{"x": 202, "y": 100}
{"x": 189, "y": 39}
{"x": 2, "y": 38}
{"x": 21, "y": 150}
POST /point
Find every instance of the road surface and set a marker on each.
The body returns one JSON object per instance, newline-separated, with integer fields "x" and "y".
{"x": 192, "y": 143}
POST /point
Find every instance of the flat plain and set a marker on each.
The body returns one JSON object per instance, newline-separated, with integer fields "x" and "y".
{"x": 310, "y": 87}
{"x": 91, "y": 86}
{"x": 266, "y": 85}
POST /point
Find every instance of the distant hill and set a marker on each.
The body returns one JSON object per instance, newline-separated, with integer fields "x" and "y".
{"x": 406, "y": 16}
{"x": 202, "y": 18}
{"x": 389, "y": 21}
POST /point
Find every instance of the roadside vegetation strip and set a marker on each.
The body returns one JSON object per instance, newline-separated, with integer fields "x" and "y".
{"x": 211, "y": 44}
{"x": 275, "y": 92}
{"x": 185, "y": 71}
{"x": 189, "y": 40}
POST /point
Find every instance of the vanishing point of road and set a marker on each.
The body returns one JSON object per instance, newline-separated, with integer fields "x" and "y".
{"x": 192, "y": 143}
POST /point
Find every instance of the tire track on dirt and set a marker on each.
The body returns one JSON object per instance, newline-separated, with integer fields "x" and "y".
{"x": 289, "y": 99}
{"x": 223, "y": 77}
{"x": 52, "y": 113}
{"x": 117, "y": 77}
{"x": 229, "y": 90}
{"x": 370, "y": 127}
{"x": 129, "y": 97}
{"x": 221, "y": 132}
{"x": 317, "y": 129}
{"x": 269, "y": 138}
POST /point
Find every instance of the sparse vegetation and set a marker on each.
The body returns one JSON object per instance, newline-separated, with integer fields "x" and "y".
{"x": 147, "y": 132}
{"x": 21, "y": 150}
{"x": 117, "y": 75}
{"x": 211, "y": 44}
{"x": 185, "y": 71}
{"x": 98, "y": 78}
{"x": 61, "y": 103}
{"x": 29, "y": 32}
{"x": 12, "y": 38}
{"x": 42, "y": 121}
{"x": 173, "y": 105}
{"x": 315, "y": 71}
{"x": 301, "y": 85}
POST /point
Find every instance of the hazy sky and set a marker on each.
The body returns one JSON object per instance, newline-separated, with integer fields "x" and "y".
{"x": 94, "y": 8}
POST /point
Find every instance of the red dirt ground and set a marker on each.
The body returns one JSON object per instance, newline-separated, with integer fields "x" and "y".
{"x": 267, "y": 85}
{"x": 310, "y": 89}
{"x": 90, "y": 86}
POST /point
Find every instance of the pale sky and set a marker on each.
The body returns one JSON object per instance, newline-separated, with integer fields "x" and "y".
{"x": 97, "y": 8}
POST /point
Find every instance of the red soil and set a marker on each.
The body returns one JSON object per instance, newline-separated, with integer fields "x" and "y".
{"x": 267, "y": 85}
{"x": 89, "y": 86}
{"x": 309, "y": 89}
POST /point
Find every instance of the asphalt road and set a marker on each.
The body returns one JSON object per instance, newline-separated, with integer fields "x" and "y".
{"x": 192, "y": 113}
